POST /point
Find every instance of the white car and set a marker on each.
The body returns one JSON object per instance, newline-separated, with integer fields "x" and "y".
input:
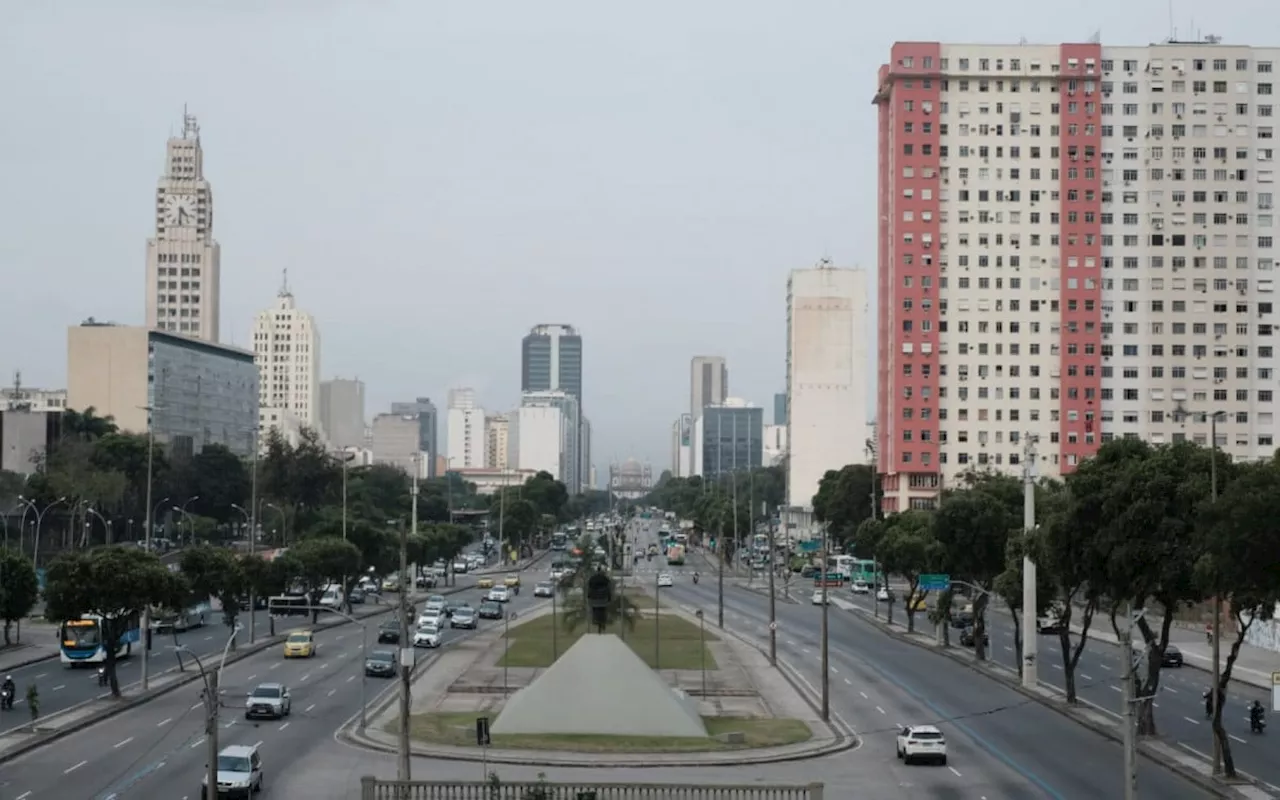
{"x": 664, "y": 579}
{"x": 860, "y": 587}
{"x": 426, "y": 636}
{"x": 499, "y": 594}
{"x": 922, "y": 743}
{"x": 819, "y": 598}
{"x": 430, "y": 618}
{"x": 882, "y": 594}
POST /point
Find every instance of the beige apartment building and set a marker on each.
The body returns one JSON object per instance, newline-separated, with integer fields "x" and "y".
{"x": 191, "y": 392}
{"x": 496, "y": 430}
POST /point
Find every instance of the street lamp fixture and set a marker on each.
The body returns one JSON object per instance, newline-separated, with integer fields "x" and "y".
{"x": 182, "y": 514}
{"x": 212, "y": 703}
{"x": 39, "y": 512}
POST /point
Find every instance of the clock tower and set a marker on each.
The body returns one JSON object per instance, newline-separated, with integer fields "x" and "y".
{"x": 183, "y": 260}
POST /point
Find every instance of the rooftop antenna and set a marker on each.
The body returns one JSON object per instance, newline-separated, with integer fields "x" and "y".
{"x": 1022, "y": 41}
{"x": 824, "y": 263}
{"x": 284, "y": 283}
{"x": 190, "y": 127}
{"x": 1096, "y": 38}
{"x": 1173, "y": 31}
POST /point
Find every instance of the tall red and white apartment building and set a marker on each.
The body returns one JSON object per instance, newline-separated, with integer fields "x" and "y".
{"x": 1076, "y": 243}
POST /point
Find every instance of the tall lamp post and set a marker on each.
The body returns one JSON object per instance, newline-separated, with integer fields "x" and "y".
{"x": 106, "y": 525}
{"x": 826, "y": 655}
{"x": 253, "y": 529}
{"x": 183, "y": 515}
{"x": 39, "y": 512}
{"x": 212, "y": 703}
{"x": 284, "y": 523}
{"x": 1030, "y": 677}
{"x": 147, "y": 524}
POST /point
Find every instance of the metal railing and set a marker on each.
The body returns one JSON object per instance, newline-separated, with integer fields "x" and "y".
{"x": 375, "y": 789}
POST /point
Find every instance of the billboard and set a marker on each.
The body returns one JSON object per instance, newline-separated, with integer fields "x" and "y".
{"x": 686, "y": 430}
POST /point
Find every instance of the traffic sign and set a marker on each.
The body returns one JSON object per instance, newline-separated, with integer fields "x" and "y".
{"x": 935, "y": 583}
{"x": 773, "y": 626}
{"x": 1275, "y": 691}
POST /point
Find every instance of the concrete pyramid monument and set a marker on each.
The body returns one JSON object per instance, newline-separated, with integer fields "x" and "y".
{"x": 600, "y": 686}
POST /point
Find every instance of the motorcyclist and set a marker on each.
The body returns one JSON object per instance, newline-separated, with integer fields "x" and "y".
{"x": 1256, "y": 715}
{"x": 102, "y": 676}
{"x": 1208, "y": 701}
{"x": 9, "y": 690}
{"x": 695, "y": 577}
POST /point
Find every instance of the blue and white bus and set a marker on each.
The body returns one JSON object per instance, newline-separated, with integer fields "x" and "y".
{"x": 82, "y": 640}
{"x": 559, "y": 541}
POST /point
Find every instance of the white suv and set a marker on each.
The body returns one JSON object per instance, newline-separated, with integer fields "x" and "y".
{"x": 922, "y": 743}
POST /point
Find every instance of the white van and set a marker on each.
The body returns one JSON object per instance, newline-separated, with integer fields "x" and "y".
{"x": 332, "y": 596}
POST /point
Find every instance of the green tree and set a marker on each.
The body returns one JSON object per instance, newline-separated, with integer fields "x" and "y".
{"x": 909, "y": 548}
{"x": 1008, "y": 584}
{"x": 19, "y": 589}
{"x": 219, "y": 479}
{"x": 323, "y": 561}
{"x": 1149, "y": 544}
{"x": 973, "y": 524}
{"x": 86, "y": 424}
{"x": 216, "y": 572}
{"x": 273, "y": 578}
{"x": 845, "y": 499}
{"x": 115, "y": 583}
{"x": 1240, "y": 563}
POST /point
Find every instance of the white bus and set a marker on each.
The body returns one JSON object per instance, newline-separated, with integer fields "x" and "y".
{"x": 193, "y": 616}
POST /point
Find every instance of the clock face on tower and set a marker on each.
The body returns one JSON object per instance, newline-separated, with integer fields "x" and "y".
{"x": 179, "y": 209}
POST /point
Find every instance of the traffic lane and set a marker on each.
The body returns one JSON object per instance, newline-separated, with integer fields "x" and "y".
{"x": 127, "y": 754}
{"x": 1038, "y": 743}
{"x": 877, "y": 710}
{"x": 1179, "y": 710}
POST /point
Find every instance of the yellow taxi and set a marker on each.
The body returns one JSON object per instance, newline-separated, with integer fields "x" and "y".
{"x": 485, "y": 583}
{"x": 300, "y": 644}
{"x": 511, "y": 580}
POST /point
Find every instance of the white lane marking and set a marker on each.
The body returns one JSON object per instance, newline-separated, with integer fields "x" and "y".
{"x": 164, "y": 722}
{"x": 881, "y": 710}
{"x": 308, "y": 675}
{"x": 275, "y": 665}
{"x": 23, "y": 796}
{"x": 122, "y": 743}
{"x": 835, "y": 671}
{"x": 864, "y": 695}
{"x": 1115, "y": 688}
{"x": 1170, "y": 689}
{"x": 1057, "y": 666}
{"x": 197, "y": 705}
{"x": 208, "y": 638}
{"x": 307, "y": 710}
{"x": 70, "y": 770}
{"x": 350, "y": 679}
{"x": 1192, "y": 721}
{"x": 806, "y": 650}
{"x": 60, "y": 686}
{"x": 38, "y": 677}
{"x": 955, "y": 772}
{"x": 791, "y": 643}
{"x": 1086, "y": 677}
{"x": 1237, "y": 738}
{"x": 331, "y": 692}
{"x": 251, "y": 677}
{"x": 1104, "y": 666}
{"x": 325, "y": 664}
{"x": 197, "y": 743}
{"x": 229, "y": 724}
{"x": 338, "y": 639}
{"x": 282, "y": 727}
{"x": 846, "y": 680}
{"x": 1010, "y": 649}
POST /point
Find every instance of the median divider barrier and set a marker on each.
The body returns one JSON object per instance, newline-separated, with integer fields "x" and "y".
{"x": 1096, "y": 721}
{"x": 47, "y": 730}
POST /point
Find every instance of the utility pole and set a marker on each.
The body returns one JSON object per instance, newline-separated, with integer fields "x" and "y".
{"x": 736, "y": 549}
{"x": 1217, "y": 607}
{"x": 211, "y": 732}
{"x": 406, "y": 647}
{"x": 720, "y": 559}
{"x": 1029, "y": 610}
{"x": 826, "y": 655}
{"x": 773, "y": 600}
{"x": 875, "y": 569}
{"x": 253, "y": 532}
{"x": 146, "y": 610}
{"x": 1130, "y": 721}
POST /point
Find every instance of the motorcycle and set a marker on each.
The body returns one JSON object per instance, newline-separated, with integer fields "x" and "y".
{"x": 6, "y": 699}
{"x": 695, "y": 577}
{"x": 102, "y": 676}
{"x": 1257, "y": 721}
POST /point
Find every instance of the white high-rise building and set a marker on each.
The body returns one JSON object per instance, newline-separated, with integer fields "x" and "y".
{"x": 1076, "y": 243}
{"x": 342, "y": 412}
{"x": 183, "y": 261}
{"x": 286, "y": 346}
{"x": 569, "y": 466}
{"x": 828, "y": 375}
{"x": 708, "y": 383}
{"x": 540, "y": 437}
{"x": 468, "y": 441}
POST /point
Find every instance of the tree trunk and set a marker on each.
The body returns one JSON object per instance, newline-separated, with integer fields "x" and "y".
{"x": 1017, "y": 638}
{"x": 1150, "y": 684}
{"x": 1219, "y": 732}
{"x": 1071, "y": 655}
{"x": 980, "y": 626}
{"x": 7, "y": 625}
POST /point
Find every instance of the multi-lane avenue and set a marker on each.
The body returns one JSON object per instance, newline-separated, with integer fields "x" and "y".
{"x": 1001, "y": 744}
{"x": 159, "y": 748}
{"x": 1180, "y": 715}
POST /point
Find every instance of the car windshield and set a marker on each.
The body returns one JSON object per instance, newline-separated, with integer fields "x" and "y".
{"x": 931, "y": 735}
{"x": 435, "y": 599}
{"x": 380, "y": 655}
{"x": 299, "y": 638}
{"x": 267, "y": 691}
{"x": 463, "y": 612}
{"x": 391, "y": 625}
{"x": 233, "y": 764}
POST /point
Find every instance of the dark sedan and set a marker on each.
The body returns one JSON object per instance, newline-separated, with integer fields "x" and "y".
{"x": 381, "y": 664}
{"x": 389, "y": 632}
{"x": 1172, "y": 657}
{"x": 967, "y": 637}
{"x": 490, "y": 610}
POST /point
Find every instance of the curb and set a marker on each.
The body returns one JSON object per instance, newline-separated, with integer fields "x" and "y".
{"x": 844, "y": 740}
{"x": 1216, "y": 788}
{"x": 30, "y": 661}
{"x": 140, "y": 700}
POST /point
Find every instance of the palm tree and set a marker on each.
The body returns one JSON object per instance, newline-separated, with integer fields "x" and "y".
{"x": 87, "y": 424}
{"x": 574, "y": 609}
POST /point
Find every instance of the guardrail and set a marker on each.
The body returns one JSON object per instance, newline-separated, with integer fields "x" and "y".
{"x": 375, "y": 789}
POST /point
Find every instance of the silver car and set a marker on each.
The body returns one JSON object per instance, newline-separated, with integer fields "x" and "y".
{"x": 269, "y": 700}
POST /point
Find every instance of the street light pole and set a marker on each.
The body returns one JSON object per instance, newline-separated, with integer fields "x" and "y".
{"x": 773, "y": 599}
{"x": 1217, "y": 608}
{"x": 146, "y": 536}
{"x": 406, "y": 666}
{"x": 212, "y": 703}
{"x": 826, "y": 656}
{"x": 182, "y": 510}
{"x": 35, "y": 551}
{"x": 1030, "y": 679}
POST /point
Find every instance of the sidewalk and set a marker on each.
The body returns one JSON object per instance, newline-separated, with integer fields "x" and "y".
{"x": 37, "y": 641}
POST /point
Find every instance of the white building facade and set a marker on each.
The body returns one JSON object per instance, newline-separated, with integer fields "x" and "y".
{"x": 286, "y": 346}
{"x": 396, "y": 441}
{"x": 466, "y": 430}
{"x": 184, "y": 270}
{"x": 1076, "y": 244}
{"x": 538, "y": 438}
{"x": 828, "y": 375}
{"x": 569, "y": 461}
{"x": 497, "y": 429}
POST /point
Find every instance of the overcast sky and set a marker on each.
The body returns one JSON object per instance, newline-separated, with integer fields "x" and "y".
{"x": 439, "y": 176}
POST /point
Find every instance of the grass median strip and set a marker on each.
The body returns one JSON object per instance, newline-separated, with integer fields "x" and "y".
{"x": 458, "y": 729}
{"x": 679, "y": 644}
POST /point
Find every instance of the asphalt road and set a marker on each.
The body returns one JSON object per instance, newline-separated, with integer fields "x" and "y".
{"x": 1179, "y": 711}
{"x": 158, "y": 750}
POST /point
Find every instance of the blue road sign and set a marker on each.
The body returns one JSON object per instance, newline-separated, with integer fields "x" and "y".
{"x": 935, "y": 583}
